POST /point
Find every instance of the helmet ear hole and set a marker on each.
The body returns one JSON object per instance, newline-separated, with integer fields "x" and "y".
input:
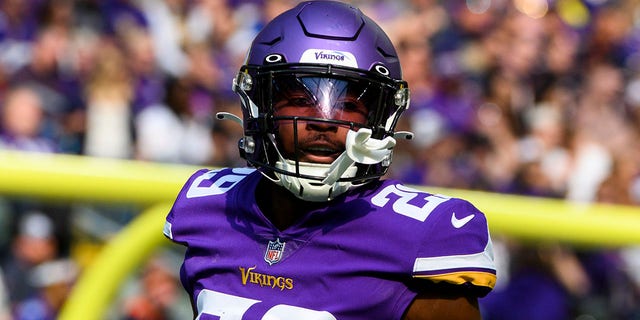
{"x": 381, "y": 69}
{"x": 274, "y": 58}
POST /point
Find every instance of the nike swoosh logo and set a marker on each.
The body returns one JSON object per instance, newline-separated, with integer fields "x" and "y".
{"x": 459, "y": 223}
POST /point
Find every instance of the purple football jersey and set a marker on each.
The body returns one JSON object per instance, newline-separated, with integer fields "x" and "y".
{"x": 362, "y": 256}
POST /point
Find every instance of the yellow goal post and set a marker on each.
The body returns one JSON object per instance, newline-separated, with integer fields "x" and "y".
{"x": 154, "y": 186}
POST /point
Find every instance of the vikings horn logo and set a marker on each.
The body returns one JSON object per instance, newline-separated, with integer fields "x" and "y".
{"x": 274, "y": 251}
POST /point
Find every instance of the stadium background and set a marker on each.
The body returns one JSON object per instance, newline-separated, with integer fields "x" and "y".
{"x": 531, "y": 104}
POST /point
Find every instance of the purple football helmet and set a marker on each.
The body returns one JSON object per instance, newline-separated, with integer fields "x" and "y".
{"x": 330, "y": 58}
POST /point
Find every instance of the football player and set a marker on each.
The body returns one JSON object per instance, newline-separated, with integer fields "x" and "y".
{"x": 309, "y": 230}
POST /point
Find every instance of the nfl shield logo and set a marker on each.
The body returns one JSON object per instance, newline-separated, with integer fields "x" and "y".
{"x": 274, "y": 251}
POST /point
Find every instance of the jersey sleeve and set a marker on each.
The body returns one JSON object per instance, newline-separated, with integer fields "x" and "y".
{"x": 457, "y": 249}
{"x": 174, "y": 227}
{"x": 201, "y": 202}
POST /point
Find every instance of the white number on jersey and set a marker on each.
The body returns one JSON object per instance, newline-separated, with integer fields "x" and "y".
{"x": 404, "y": 195}
{"x": 220, "y": 185}
{"x": 230, "y": 307}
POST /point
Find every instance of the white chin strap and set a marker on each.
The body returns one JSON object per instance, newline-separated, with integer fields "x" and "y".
{"x": 359, "y": 148}
{"x": 308, "y": 189}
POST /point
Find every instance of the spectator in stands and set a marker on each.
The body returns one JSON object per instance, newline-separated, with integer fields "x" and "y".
{"x": 35, "y": 243}
{"x": 109, "y": 94}
{"x": 5, "y": 306}
{"x": 147, "y": 78}
{"x": 60, "y": 90}
{"x": 22, "y": 122}
{"x": 18, "y": 29}
{"x": 169, "y": 132}
{"x": 53, "y": 281}
{"x": 160, "y": 295}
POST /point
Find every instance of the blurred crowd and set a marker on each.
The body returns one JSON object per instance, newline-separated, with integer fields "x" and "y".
{"x": 533, "y": 97}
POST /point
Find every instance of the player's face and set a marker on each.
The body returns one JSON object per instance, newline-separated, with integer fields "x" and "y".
{"x": 318, "y": 141}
